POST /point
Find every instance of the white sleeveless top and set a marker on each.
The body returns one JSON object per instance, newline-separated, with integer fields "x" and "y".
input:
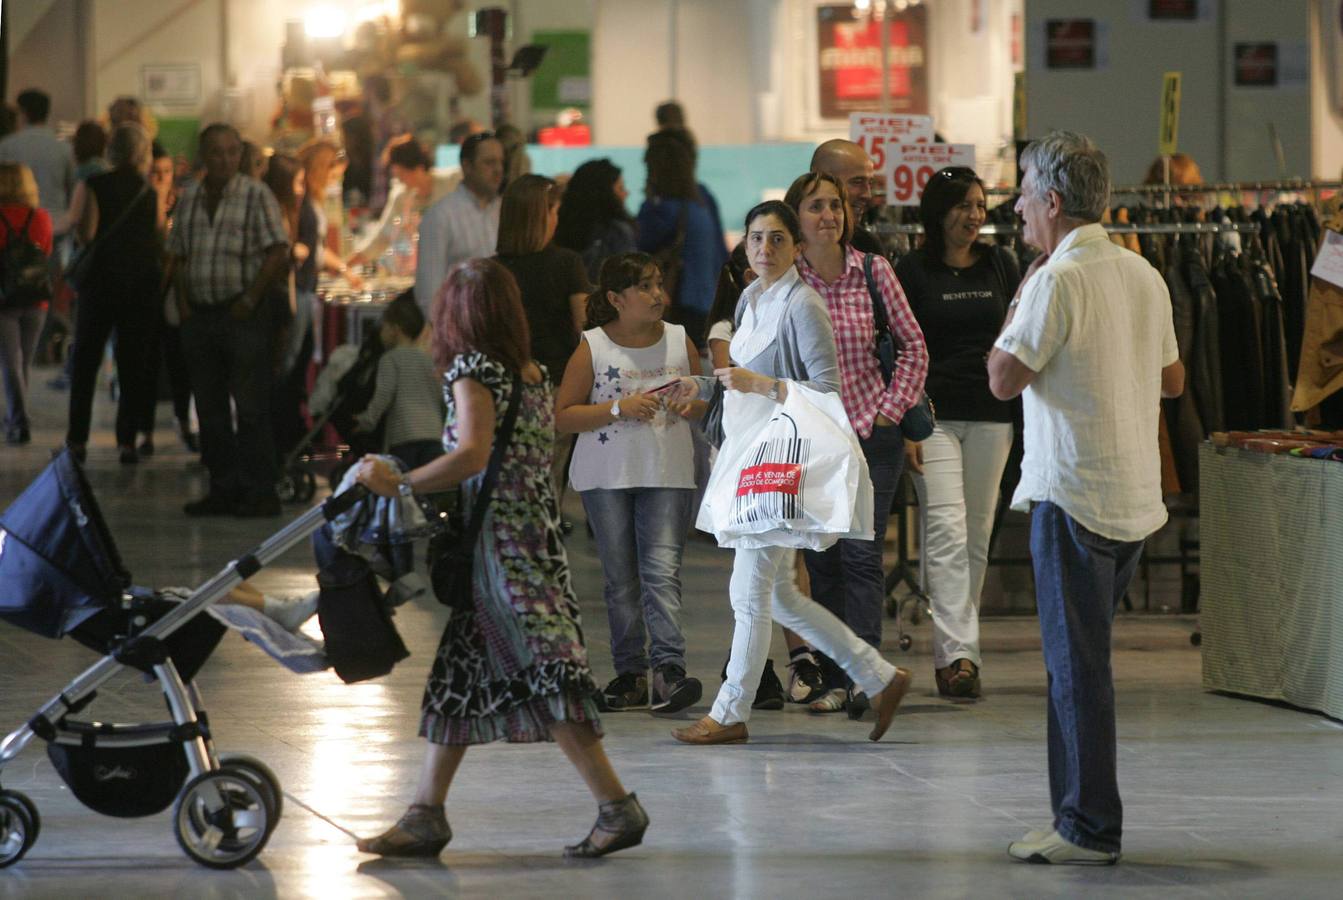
{"x": 629, "y": 453}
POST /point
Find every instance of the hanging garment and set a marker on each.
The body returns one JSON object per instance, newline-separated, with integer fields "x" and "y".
{"x": 1205, "y": 370}
{"x": 1242, "y": 359}
{"x": 1273, "y": 340}
{"x": 1182, "y": 423}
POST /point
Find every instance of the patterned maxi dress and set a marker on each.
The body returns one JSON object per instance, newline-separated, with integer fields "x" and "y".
{"x": 515, "y": 662}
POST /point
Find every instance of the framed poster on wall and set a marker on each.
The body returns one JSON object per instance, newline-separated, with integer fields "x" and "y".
{"x": 846, "y": 74}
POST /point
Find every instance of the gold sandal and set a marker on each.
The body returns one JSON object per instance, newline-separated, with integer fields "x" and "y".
{"x": 959, "y": 680}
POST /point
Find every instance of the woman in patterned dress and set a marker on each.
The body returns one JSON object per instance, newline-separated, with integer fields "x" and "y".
{"x": 512, "y": 665}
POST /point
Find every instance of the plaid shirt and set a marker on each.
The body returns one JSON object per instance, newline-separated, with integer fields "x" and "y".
{"x": 221, "y": 258}
{"x": 861, "y": 387}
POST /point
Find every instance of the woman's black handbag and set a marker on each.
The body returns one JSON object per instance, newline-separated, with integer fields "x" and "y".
{"x": 451, "y": 554}
{"x": 918, "y": 421}
{"x": 361, "y": 641}
{"x": 81, "y": 264}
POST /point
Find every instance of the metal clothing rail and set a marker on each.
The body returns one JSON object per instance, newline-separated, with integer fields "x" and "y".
{"x": 1111, "y": 227}
{"x": 1291, "y": 184}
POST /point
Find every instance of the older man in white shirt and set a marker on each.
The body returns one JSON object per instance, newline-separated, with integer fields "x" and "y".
{"x": 1090, "y": 343}
{"x": 465, "y": 223}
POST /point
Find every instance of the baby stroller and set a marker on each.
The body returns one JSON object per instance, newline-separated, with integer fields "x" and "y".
{"x": 353, "y": 390}
{"x": 61, "y": 574}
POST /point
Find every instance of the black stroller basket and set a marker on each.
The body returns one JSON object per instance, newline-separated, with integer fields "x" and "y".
{"x": 60, "y": 574}
{"x": 354, "y": 390}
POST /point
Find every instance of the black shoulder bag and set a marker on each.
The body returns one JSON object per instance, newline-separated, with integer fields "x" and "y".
{"x": 451, "y": 554}
{"x": 918, "y": 421}
{"x": 77, "y": 272}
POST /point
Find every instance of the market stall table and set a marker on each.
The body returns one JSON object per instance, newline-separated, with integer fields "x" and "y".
{"x": 1272, "y": 576}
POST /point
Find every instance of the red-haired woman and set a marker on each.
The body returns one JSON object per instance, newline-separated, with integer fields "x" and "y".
{"x": 512, "y": 665}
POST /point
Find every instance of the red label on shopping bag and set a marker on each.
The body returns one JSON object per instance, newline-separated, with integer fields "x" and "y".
{"x": 770, "y": 478}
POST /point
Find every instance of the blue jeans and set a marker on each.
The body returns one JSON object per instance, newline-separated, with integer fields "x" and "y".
{"x": 1080, "y": 577}
{"x": 641, "y": 535}
{"x": 848, "y": 578}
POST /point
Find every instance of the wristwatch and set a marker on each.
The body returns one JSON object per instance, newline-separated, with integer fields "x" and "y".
{"x": 403, "y": 487}
{"x": 773, "y": 392}
{"x": 615, "y": 409}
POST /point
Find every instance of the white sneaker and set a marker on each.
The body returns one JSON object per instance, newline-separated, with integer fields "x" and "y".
{"x": 1054, "y": 849}
{"x": 291, "y": 612}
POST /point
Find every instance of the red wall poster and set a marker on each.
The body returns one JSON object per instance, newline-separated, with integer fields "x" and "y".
{"x": 849, "y": 60}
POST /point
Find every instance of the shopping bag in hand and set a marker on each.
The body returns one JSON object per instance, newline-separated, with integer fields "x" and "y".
{"x": 790, "y": 475}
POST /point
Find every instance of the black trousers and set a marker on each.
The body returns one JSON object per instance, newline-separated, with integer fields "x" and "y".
{"x": 131, "y": 312}
{"x": 231, "y": 360}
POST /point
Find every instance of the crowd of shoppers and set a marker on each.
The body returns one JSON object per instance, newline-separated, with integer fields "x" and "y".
{"x": 531, "y": 358}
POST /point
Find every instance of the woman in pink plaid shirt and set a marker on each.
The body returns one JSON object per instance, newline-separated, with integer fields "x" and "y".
{"x": 848, "y": 578}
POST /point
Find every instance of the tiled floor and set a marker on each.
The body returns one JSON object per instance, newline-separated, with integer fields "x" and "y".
{"x": 1224, "y": 797}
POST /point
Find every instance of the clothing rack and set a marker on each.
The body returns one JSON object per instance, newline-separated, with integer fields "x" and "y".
{"x": 1291, "y": 184}
{"x": 1111, "y": 227}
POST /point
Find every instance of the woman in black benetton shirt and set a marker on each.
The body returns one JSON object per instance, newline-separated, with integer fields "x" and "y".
{"x": 959, "y": 289}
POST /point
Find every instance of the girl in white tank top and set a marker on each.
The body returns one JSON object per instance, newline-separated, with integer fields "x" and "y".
{"x": 633, "y": 466}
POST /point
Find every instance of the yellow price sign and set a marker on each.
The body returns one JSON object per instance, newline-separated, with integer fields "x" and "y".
{"x": 1169, "y": 135}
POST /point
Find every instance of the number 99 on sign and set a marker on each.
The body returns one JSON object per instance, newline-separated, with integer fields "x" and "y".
{"x": 908, "y": 182}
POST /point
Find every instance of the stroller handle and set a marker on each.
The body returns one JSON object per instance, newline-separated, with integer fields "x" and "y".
{"x": 334, "y": 506}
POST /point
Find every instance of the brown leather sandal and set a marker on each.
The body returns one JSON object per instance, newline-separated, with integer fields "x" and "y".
{"x": 959, "y": 680}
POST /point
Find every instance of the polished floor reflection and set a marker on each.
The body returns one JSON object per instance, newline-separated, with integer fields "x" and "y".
{"x": 1223, "y": 797}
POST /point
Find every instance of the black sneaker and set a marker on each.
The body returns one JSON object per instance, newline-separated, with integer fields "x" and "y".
{"x": 769, "y": 695}
{"x": 858, "y": 704}
{"x": 211, "y": 505}
{"x": 805, "y": 682}
{"x": 673, "y": 691}
{"x": 628, "y": 691}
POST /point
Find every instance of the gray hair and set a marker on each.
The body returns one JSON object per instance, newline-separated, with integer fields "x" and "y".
{"x": 1072, "y": 166}
{"x": 130, "y": 147}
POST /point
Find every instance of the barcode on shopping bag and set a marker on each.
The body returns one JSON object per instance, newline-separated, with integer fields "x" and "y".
{"x": 770, "y": 483}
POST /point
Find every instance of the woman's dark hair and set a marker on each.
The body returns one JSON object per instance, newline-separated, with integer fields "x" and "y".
{"x": 589, "y": 202}
{"x": 671, "y": 168}
{"x": 90, "y": 141}
{"x": 479, "y": 309}
{"x": 731, "y": 282}
{"x": 944, "y": 190}
{"x": 281, "y": 170}
{"x": 404, "y": 315}
{"x": 780, "y": 209}
{"x": 805, "y": 185}
{"x": 409, "y": 153}
{"x": 618, "y": 273}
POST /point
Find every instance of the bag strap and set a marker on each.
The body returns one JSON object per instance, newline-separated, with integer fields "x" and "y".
{"x": 117, "y": 222}
{"x": 879, "y": 320}
{"x": 502, "y": 438}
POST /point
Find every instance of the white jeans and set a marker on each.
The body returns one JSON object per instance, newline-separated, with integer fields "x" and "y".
{"x": 764, "y": 579}
{"x": 958, "y": 491}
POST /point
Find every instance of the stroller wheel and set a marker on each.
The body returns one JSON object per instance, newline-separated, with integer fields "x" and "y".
{"x": 222, "y": 818}
{"x": 19, "y": 826}
{"x": 261, "y": 774}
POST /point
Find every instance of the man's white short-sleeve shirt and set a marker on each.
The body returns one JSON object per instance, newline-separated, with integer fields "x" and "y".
{"x": 1095, "y": 323}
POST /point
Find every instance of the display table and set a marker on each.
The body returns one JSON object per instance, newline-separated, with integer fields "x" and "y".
{"x": 1272, "y": 576}
{"x": 349, "y": 315}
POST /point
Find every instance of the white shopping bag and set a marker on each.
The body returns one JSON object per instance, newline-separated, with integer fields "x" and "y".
{"x": 789, "y": 475}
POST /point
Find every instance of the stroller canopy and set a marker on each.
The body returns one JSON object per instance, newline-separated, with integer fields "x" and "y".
{"x": 58, "y": 565}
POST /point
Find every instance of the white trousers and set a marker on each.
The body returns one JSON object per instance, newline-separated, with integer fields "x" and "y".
{"x": 763, "y": 580}
{"x": 958, "y": 492}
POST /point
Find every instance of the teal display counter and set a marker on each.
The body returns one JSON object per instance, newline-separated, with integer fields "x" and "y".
{"x": 740, "y": 176}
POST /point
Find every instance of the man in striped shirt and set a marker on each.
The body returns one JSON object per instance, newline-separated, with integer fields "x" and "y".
{"x": 465, "y": 223}
{"x": 228, "y": 248}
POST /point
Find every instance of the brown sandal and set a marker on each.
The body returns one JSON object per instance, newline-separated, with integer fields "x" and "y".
{"x": 959, "y": 680}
